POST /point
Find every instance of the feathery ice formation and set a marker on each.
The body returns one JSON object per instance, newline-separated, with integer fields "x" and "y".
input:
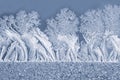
{"x": 22, "y": 40}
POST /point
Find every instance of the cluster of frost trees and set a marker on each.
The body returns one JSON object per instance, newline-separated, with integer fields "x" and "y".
{"x": 21, "y": 38}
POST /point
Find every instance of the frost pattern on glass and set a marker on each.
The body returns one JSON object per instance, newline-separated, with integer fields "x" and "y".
{"x": 61, "y": 31}
{"x": 22, "y": 40}
{"x": 101, "y": 30}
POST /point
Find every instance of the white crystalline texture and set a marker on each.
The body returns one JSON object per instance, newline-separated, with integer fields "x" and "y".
{"x": 100, "y": 29}
{"x": 62, "y": 33}
{"x": 22, "y": 40}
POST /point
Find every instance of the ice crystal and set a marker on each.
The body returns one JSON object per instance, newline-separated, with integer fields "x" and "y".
{"x": 62, "y": 33}
{"x": 21, "y": 38}
{"x": 100, "y": 29}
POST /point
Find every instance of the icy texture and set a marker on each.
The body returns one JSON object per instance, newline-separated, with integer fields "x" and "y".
{"x": 22, "y": 40}
{"x": 100, "y": 29}
{"x": 62, "y": 33}
{"x": 59, "y": 71}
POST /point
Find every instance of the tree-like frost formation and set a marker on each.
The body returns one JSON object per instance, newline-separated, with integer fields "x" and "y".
{"x": 21, "y": 38}
{"x": 62, "y": 32}
{"x": 101, "y": 30}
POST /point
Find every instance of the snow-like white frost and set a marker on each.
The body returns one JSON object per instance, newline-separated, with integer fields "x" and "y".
{"x": 62, "y": 33}
{"x": 22, "y": 40}
{"x": 101, "y": 30}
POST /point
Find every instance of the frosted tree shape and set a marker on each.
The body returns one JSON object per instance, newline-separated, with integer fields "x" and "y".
{"x": 38, "y": 43}
{"x": 92, "y": 28}
{"x": 62, "y": 33}
{"x": 23, "y": 39}
{"x": 112, "y": 22}
{"x": 11, "y": 41}
{"x": 100, "y": 29}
